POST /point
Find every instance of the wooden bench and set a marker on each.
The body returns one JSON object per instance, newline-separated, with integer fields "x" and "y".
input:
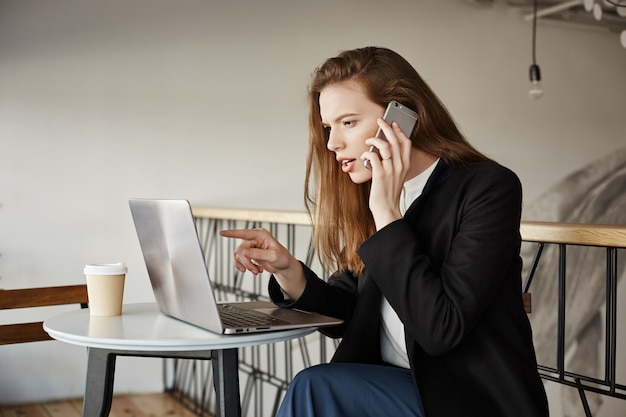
{"x": 36, "y": 297}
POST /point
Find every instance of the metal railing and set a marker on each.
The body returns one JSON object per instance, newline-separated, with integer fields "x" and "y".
{"x": 575, "y": 280}
{"x": 265, "y": 371}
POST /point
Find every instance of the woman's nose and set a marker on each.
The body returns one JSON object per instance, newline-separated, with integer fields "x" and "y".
{"x": 334, "y": 141}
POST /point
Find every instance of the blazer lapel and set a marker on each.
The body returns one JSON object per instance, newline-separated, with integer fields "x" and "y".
{"x": 441, "y": 172}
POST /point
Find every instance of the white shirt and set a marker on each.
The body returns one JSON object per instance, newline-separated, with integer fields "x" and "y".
{"x": 392, "y": 341}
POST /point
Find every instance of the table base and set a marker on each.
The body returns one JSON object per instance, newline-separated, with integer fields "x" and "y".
{"x": 101, "y": 375}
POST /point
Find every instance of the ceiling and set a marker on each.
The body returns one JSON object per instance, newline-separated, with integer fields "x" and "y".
{"x": 590, "y": 14}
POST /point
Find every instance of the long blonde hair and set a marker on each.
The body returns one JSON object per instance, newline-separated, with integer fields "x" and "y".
{"x": 339, "y": 208}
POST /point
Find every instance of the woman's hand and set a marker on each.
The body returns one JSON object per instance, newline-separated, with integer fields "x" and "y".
{"x": 388, "y": 173}
{"x": 259, "y": 251}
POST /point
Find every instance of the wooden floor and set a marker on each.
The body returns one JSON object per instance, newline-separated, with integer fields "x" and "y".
{"x": 134, "y": 405}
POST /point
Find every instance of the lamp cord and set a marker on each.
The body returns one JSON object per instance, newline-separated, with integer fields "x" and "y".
{"x": 534, "y": 30}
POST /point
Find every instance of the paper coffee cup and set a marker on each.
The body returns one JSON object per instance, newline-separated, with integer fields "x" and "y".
{"x": 105, "y": 288}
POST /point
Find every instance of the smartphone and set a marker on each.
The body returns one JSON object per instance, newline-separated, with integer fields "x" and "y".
{"x": 399, "y": 113}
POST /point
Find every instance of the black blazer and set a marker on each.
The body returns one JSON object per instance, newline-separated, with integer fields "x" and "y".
{"x": 452, "y": 272}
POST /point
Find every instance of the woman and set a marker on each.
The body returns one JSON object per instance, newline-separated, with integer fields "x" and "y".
{"x": 426, "y": 247}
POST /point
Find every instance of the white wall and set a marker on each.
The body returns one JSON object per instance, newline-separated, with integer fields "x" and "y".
{"x": 103, "y": 101}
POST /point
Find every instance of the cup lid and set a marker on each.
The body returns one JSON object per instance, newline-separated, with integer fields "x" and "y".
{"x": 105, "y": 269}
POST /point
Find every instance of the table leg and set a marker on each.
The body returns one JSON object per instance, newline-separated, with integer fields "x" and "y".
{"x": 101, "y": 375}
{"x": 226, "y": 380}
{"x": 99, "y": 384}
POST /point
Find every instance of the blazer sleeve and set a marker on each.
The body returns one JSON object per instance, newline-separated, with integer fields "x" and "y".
{"x": 442, "y": 271}
{"x": 335, "y": 298}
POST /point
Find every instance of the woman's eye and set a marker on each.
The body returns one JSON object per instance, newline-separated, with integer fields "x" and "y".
{"x": 348, "y": 123}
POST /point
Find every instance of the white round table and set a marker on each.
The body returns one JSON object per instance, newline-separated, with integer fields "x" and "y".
{"x": 142, "y": 331}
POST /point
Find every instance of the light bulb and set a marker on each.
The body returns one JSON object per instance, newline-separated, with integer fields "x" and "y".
{"x": 535, "y": 91}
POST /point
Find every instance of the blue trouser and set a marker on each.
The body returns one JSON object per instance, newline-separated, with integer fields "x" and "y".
{"x": 350, "y": 389}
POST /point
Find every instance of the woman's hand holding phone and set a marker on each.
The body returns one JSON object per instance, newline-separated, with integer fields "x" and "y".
{"x": 389, "y": 159}
{"x": 403, "y": 116}
{"x": 388, "y": 173}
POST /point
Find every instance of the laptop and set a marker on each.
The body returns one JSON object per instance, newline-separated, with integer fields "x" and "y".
{"x": 180, "y": 280}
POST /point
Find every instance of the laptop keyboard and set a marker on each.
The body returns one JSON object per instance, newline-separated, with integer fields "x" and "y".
{"x": 237, "y": 317}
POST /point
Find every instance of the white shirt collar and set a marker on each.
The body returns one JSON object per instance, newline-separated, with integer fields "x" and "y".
{"x": 413, "y": 188}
